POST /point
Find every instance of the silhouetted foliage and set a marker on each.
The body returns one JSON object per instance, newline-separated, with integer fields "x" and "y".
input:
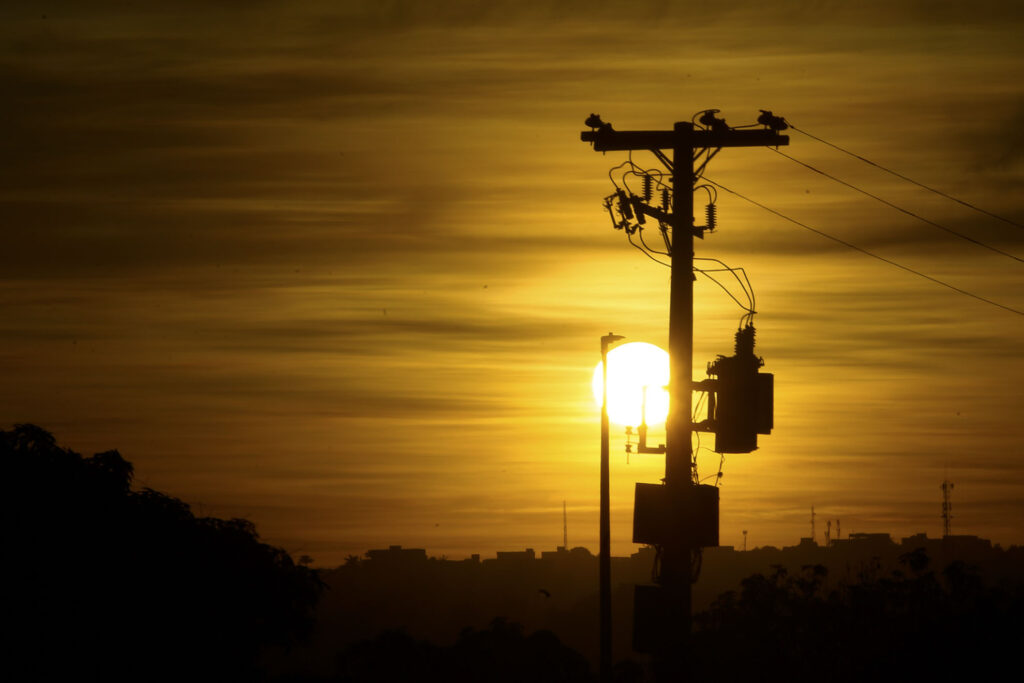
{"x": 908, "y": 626}
{"x": 106, "y": 583}
{"x": 500, "y": 653}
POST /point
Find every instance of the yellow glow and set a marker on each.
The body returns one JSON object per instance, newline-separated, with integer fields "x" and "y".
{"x": 632, "y": 368}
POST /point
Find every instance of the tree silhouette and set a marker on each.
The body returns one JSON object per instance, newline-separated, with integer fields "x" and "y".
{"x": 105, "y": 583}
{"x": 500, "y": 653}
{"x": 910, "y": 625}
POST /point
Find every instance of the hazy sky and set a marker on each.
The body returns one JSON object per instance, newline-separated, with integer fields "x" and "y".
{"x": 342, "y": 267}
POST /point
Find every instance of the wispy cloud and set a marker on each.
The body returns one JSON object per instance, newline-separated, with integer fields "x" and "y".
{"x": 345, "y": 253}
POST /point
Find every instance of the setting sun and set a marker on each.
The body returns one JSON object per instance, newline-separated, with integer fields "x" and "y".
{"x": 632, "y": 368}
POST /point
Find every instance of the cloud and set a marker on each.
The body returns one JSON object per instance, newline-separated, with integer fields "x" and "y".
{"x": 363, "y": 242}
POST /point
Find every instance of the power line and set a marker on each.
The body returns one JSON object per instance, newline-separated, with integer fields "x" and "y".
{"x": 747, "y": 288}
{"x": 724, "y": 289}
{"x": 899, "y": 208}
{"x": 909, "y": 180}
{"x": 647, "y": 253}
{"x": 865, "y": 251}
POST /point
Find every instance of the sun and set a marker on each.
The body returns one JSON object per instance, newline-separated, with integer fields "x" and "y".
{"x": 632, "y": 368}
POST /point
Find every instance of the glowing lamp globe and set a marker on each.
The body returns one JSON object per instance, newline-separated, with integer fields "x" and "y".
{"x": 632, "y": 368}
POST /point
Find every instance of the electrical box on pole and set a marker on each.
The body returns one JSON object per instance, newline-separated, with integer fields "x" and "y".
{"x": 690, "y": 518}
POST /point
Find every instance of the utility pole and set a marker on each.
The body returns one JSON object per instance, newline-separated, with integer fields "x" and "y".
{"x": 671, "y": 635}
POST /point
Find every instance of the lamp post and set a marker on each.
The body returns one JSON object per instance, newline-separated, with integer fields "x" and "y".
{"x": 604, "y": 556}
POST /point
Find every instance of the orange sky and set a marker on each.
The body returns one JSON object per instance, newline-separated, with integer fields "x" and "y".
{"x": 342, "y": 268}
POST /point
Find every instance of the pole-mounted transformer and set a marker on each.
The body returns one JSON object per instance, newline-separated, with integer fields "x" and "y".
{"x": 740, "y": 398}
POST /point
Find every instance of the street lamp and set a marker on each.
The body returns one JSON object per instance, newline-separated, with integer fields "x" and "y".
{"x": 604, "y": 556}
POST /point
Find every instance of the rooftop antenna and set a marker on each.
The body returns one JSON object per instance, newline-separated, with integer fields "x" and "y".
{"x": 565, "y": 528}
{"x": 947, "y": 507}
{"x": 839, "y": 534}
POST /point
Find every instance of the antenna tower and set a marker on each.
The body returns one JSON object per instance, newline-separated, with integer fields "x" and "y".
{"x": 565, "y": 528}
{"x": 947, "y": 507}
{"x": 744, "y": 540}
{"x": 828, "y": 532}
{"x": 812, "y": 525}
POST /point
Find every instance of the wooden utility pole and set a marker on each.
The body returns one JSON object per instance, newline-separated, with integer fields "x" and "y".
{"x": 670, "y": 646}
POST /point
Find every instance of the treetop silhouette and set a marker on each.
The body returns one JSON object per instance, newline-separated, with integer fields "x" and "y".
{"x": 106, "y": 582}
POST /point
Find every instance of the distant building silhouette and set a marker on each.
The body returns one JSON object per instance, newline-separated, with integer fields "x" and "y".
{"x": 397, "y": 555}
{"x": 434, "y": 599}
{"x": 517, "y": 556}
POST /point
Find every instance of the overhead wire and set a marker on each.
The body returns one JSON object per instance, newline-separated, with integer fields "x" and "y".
{"x": 906, "y": 178}
{"x": 898, "y": 208}
{"x": 640, "y": 231}
{"x": 655, "y": 173}
{"x": 646, "y": 253}
{"x": 712, "y": 192}
{"x": 748, "y": 288}
{"x": 711, "y": 155}
{"x": 724, "y": 289}
{"x": 631, "y": 168}
{"x": 657, "y": 176}
{"x": 627, "y": 162}
{"x": 696, "y": 435}
{"x": 731, "y": 271}
{"x": 866, "y": 252}
{"x": 720, "y": 473}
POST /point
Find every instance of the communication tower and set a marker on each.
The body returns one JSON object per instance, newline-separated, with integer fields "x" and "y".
{"x": 565, "y": 527}
{"x": 947, "y": 507}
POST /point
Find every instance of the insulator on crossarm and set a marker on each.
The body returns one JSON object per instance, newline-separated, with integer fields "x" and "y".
{"x": 712, "y": 215}
{"x": 648, "y": 188}
{"x": 665, "y": 204}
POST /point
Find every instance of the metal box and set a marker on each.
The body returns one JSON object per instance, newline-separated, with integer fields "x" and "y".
{"x": 743, "y": 408}
{"x": 689, "y": 517}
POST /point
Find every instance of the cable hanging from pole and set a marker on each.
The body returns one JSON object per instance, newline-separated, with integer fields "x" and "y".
{"x": 900, "y": 208}
{"x": 866, "y": 252}
{"x": 748, "y": 289}
{"x": 628, "y": 208}
{"x": 908, "y": 179}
